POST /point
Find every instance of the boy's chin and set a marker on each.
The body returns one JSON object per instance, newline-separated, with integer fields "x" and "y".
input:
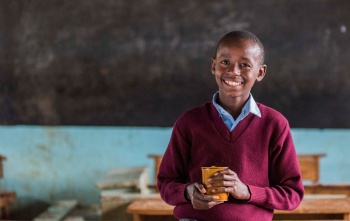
{"x": 235, "y": 95}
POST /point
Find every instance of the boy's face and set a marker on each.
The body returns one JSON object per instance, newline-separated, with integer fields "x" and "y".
{"x": 236, "y": 68}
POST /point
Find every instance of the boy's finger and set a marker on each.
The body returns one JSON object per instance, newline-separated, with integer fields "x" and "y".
{"x": 214, "y": 203}
{"x": 200, "y": 188}
{"x": 209, "y": 198}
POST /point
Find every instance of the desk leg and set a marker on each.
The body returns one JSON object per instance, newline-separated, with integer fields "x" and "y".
{"x": 346, "y": 216}
{"x": 4, "y": 212}
{"x": 137, "y": 217}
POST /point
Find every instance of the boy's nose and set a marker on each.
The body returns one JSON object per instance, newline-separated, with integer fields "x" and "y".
{"x": 234, "y": 69}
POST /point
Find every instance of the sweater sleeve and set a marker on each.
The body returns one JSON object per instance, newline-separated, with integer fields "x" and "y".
{"x": 286, "y": 188}
{"x": 172, "y": 175}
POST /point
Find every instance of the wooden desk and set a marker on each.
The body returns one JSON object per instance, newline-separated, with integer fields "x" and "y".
{"x": 6, "y": 199}
{"x": 152, "y": 207}
{"x": 319, "y": 206}
{"x": 312, "y": 207}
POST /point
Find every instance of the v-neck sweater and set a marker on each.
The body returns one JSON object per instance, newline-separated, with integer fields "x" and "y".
{"x": 260, "y": 150}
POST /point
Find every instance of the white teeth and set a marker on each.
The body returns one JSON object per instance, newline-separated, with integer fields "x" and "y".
{"x": 232, "y": 83}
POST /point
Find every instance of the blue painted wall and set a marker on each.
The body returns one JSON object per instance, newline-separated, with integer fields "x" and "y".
{"x": 52, "y": 163}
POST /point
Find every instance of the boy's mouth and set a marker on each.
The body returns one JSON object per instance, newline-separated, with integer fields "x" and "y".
{"x": 232, "y": 83}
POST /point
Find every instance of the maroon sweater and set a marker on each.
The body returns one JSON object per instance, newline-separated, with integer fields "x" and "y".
{"x": 260, "y": 150}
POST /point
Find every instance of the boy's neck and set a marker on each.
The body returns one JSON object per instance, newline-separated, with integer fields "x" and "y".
{"x": 233, "y": 106}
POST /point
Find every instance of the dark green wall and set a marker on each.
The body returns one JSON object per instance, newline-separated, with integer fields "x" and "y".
{"x": 128, "y": 62}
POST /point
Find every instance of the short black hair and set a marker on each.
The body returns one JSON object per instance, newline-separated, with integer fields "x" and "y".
{"x": 238, "y": 35}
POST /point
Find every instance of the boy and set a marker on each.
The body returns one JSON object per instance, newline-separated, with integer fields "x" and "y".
{"x": 251, "y": 139}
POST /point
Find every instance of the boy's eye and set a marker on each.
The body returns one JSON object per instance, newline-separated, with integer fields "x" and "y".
{"x": 226, "y": 62}
{"x": 245, "y": 65}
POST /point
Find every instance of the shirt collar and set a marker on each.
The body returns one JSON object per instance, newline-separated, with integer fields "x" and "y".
{"x": 250, "y": 106}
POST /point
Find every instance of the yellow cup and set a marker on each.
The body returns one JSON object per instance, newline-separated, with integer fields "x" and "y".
{"x": 208, "y": 172}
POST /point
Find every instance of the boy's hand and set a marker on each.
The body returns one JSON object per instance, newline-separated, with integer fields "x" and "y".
{"x": 196, "y": 193}
{"x": 227, "y": 181}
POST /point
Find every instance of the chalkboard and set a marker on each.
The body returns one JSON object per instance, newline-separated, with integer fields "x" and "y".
{"x": 142, "y": 63}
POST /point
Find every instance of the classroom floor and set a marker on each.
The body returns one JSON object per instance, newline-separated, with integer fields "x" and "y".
{"x": 79, "y": 213}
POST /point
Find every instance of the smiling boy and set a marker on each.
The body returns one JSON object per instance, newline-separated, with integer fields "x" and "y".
{"x": 251, "y": 139}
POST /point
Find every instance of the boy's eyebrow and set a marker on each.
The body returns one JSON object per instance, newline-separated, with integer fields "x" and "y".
{"x": 223, "y": 55}
{"x": 247, "y": 59}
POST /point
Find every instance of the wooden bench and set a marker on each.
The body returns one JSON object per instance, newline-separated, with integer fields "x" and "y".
{"x": 57, "y": 211}
{"x": 119, "y": 187}
{"x": 2, "y": 158}
{"x": 328, "y": 189}
{"x": 313, "y": 207}
{"x": 157, "y": 159}
{"x": 128, "y": 178}
{"x": 310, "y": 167}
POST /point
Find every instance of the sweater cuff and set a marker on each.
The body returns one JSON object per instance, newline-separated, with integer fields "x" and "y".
{"x": 182, "y": 198}
{"x": 185, "y": 194}
{"x": 257, "y": 195}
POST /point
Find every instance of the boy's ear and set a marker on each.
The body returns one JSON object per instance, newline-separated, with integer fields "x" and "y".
{"x": 213, "y": 62}
{"x": 262, "y": 72}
